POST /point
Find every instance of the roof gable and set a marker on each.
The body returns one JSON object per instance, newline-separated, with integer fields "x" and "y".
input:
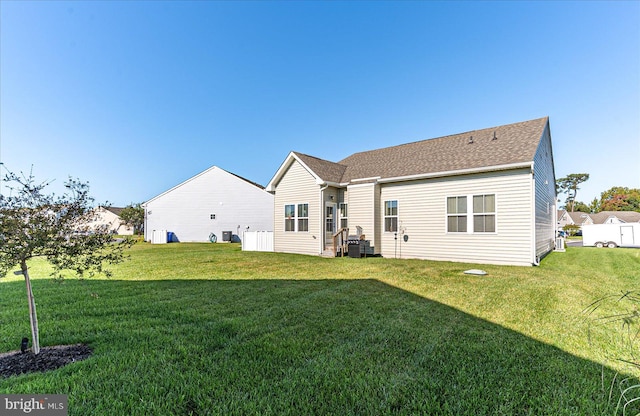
{"x": 203, "y": 173}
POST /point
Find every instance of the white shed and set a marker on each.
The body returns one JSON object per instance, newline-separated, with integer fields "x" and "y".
{"x": 212, "y": 203}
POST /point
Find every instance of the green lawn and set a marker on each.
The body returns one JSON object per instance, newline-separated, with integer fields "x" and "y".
{"x": 208, "y": 329}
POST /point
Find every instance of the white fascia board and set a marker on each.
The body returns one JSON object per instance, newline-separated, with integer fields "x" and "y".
{"x": 510, "y": 166}
{"x": 271, "y": 186}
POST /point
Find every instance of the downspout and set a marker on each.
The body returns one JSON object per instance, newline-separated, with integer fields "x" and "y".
{"x": 322, "y": 243}
{"x": 144, "y": 233}
{"x": 535, "y": 261}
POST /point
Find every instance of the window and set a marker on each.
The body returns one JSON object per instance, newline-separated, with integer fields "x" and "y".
{"x": 329, "y": 219}
{"x": 289, "y": 218}
{"x": 296, "y": 217}
{"x": 484, "y": 213}
{"x": 391, "y": 216}
{"x": 457, "y": 214}
{"x": 303, "y": 217}
{"x": 343, "y": 216}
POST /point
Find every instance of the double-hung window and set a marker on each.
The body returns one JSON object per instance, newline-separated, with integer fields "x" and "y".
{"x": 343, "y": 215}
{"x": 296, "y": 217}
{"x": 303, "y": 217}
{"x": 391, "y": 216}
{"x": 481, "y": 216}
{"x": 290, "y": 217}
{"x": 457, "y": 214}
{"x": 484, "y": 213}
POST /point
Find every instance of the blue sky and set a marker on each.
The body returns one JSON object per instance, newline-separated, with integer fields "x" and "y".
{"x": 136, "y": 97}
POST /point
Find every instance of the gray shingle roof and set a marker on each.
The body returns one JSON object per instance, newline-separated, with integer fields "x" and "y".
{"x": 495, "y": 146}
{"x": 626, "y": 216}
{"x": 514, "y": 143}
{"x": 328, "y": 171}
{"x": 115, "y": 210}
{"x": 579, "y": 218}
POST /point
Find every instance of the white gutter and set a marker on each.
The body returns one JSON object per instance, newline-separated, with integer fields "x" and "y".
{"x": 510, "y": 166}
{"x": 321, "y": 182}
{"x": 322, "y": 243}
{"x": 534, "y": 259}
{"x": 373, "y": 178}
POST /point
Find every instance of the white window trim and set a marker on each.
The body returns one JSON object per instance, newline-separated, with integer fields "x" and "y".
{"x": 295, "y": 217}
{"x": 470, "y": 214}
{"x": 494, "y": 213}
{"x": 385, "y": 216}
{"x": 447, "y": 215}
{"x": 340, "y": 217}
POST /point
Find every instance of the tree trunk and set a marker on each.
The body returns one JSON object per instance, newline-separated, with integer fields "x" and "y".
{"x": 33, "y": 317}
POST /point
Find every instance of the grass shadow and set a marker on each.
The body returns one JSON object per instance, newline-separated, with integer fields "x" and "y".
{"x": 289, "y": 347}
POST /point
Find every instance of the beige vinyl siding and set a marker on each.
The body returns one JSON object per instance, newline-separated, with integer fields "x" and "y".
{"x": 298, "y": 186}
{"x": 362, "y": 199}
{"x": 422, "y": 218}
{"x": 545, "y": 195}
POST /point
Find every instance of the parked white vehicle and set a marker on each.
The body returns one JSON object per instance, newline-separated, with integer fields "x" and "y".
{"x": 611, "y": 235}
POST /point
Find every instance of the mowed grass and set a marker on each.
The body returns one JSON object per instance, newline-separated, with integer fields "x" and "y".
{"x": 208, "y": 329}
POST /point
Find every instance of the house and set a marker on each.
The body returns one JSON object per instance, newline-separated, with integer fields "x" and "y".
{"x": 616, "y": 217}
{"x": 109, "y": 219}
{"x": 604, "y": 217}
{"x": 210, "y": 206}
{"x": 484, "y": 196}
{"x": 573, "y": 218}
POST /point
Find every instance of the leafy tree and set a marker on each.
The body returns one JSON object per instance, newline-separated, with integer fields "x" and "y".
{"x": 571, "y": 229}
{"x": 581, "y": 207}
{"x": 133, "y": 216}
{"x": 620, "y": 198}
{"x": 570, "y": 185}
{"x": 57, "y": 228}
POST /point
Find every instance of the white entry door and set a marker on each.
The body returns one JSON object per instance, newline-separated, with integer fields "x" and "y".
{"x": 330, "y": 222}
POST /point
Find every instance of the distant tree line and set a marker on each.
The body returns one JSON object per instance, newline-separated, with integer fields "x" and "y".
{"x": 618, "y": 198}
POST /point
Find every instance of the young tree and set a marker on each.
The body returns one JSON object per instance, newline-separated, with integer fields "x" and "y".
{"x": 133, "y": 216}
{"x": 569, "y": 185}
{"x": 57, "y": 228}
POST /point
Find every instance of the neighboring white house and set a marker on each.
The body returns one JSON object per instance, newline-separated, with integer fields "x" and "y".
{"x": 109, "y": 217}
{"x": 574, "y": 218}
{"x": 616, "y": 217}
{"x": 604, "y": 217}
{"x": 212, "y": 202}
{"x": 485, "y": 196}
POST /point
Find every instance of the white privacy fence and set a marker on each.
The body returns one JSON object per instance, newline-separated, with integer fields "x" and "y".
{"x": 257, "y": 241}
{"x": 159, "y": 237}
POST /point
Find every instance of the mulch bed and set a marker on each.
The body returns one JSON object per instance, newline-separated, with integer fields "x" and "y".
{"x": 50, "y": 358}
